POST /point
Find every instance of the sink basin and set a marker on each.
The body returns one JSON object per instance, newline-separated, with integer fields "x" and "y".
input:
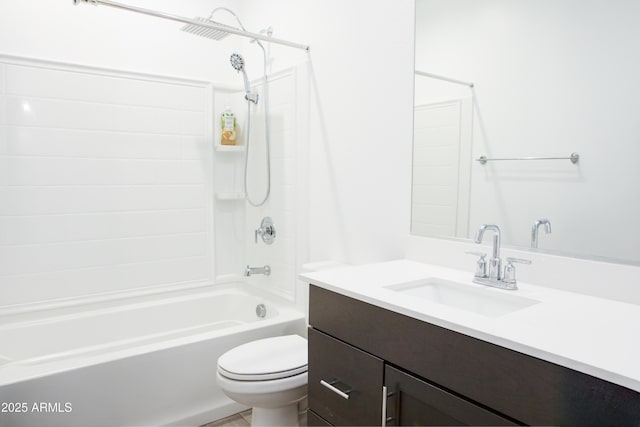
{"x": 478, "y": 300}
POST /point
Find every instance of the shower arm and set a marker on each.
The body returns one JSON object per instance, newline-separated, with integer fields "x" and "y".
{"x": 177, "y": 18}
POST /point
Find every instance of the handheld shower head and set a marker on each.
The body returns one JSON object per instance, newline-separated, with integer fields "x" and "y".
{"x": 237, "y": 62}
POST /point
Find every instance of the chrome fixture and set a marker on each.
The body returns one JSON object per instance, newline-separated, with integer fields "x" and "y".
{"x": 249, "y": 271}
{"x": 495, "y": 262}
{"x": 211, "y": 33}
{"x": 481, "y": 265}
{"x": 237, "y": 62}
{"x": 205, "y": 31}
{"x": 534, "y": 230}
{"x": 267, "y": 231}
{"x": 492, "y": 275}
{"x": 574, "y": 157}
{"x": 207, "y": 26}
{"x": 509, "y": 277}
{"x": 332, "y": 386}
{"x": 446, "y": 79}
{"x": 261, "y": 311}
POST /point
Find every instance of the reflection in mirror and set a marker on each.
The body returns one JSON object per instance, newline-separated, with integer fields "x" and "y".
{"x": 550, "y": 78}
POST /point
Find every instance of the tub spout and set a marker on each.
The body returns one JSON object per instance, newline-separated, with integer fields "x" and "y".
{"x": 266, "y": 270}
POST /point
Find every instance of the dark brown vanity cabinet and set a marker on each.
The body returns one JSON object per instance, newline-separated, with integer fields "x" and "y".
{"x": 349, "y": 387}
{"x": 412, "y": 401}
{"x": 345, "y": 383}
{"x": 367, "y": 363}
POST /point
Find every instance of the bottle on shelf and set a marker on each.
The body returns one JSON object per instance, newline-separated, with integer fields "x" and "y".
{"x": 229, "y": 127}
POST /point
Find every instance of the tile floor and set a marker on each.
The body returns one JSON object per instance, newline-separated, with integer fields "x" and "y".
{"x": 243, "y": 419}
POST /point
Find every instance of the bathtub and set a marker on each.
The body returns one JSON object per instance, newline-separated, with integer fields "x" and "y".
{"x": 150, "y": 361}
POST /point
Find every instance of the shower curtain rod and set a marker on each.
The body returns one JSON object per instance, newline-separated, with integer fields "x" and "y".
{"x": 194, "y": 22}
{"x": 447, "y": 79}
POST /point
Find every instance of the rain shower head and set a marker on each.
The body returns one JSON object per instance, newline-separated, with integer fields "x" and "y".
{"x": 210, "y": 33}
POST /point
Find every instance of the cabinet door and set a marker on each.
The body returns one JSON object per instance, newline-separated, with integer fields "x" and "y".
{"x": 313, "y": 420}
{"x": 345, "y": 383}
{"x": 414, "y": 402}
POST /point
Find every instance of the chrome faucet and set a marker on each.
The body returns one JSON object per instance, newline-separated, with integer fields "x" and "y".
{"x": 248, "y": 271}
{"x": 490, "y": 273}
{"x": 534, "y": 230}
{"x": 494, "y": 262}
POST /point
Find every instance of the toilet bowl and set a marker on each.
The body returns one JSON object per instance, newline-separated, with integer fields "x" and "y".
{"x": 269, "y": 375}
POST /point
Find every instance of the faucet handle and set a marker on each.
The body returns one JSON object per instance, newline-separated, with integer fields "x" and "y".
{"x": 518, "y": 260}
{"x": 481, "y": 265}
{"x": 509, "y": 275}
{"x": 267, "y": 231}
{"x": 480, "y": 254}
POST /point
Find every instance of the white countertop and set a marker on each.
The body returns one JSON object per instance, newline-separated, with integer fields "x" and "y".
{"x": 597, "y": 336}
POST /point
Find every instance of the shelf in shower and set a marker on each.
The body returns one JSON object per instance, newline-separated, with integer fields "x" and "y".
{"x": 230, "y": 196}
{"x": 230, "y": 148}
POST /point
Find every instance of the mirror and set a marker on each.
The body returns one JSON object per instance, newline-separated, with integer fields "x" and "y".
{"x": 550, "y": 78}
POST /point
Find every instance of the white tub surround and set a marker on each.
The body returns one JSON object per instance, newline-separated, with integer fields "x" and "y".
{"x": 148, "y": 362}
{"x": 105, "y": 181}
{"x": 593, "y": 335}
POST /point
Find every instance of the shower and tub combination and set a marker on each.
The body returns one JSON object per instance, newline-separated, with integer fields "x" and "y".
{"x": 145, "y": 358}
{"x": 140, "y": 361}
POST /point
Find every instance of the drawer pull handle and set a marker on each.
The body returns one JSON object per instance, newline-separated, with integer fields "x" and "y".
{"x": 330, "y": 386}
{"x": 384, "y": 406}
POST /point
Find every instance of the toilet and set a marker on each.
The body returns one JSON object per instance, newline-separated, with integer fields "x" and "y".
{"x": 269, "y": 375}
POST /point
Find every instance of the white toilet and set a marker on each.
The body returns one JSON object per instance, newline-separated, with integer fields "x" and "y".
{"x": 269, "y": 375}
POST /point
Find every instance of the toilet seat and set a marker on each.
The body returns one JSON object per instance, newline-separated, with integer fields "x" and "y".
{"x": 265, "y": 359}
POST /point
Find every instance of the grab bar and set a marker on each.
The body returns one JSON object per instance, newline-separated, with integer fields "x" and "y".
{"x": 574, "y": 157}
{"x": 446, "y": 79}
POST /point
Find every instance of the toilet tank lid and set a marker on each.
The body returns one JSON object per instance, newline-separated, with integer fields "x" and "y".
{"x": 266, "y": 356}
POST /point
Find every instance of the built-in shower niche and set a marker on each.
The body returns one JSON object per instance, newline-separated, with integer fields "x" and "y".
{"x": 229, "y": 205}
{"x": 235, "y": 219}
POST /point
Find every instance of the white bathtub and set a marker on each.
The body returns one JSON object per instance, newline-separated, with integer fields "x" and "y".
{"x": 149, "y": 362}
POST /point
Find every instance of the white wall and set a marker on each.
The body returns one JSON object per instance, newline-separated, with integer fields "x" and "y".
{"x": 112, "y": 38}
{"x": 361, "y": 77}
{"x": 551, "y": 78}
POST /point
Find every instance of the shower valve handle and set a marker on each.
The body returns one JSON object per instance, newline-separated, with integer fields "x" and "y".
{"x": 267, "y": 231}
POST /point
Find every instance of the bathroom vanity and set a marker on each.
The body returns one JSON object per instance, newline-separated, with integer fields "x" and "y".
{"x": 380, "y": 357}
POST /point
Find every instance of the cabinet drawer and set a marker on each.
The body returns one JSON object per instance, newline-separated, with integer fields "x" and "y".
{"x": 413, "y": 402}
{"x": 313, "y": 420}
{"x": 345, "y": 383}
